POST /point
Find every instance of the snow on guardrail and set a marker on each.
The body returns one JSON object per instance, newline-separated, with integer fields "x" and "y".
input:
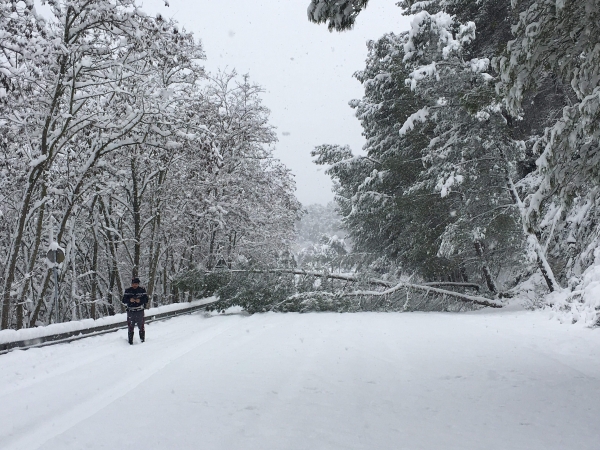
{"x": 12, "y": 338}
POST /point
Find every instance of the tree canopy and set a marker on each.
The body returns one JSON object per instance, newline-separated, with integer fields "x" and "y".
{"x": 482, "y": 141}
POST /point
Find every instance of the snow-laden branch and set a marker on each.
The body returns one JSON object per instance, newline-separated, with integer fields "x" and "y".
{"x": 391, "y": 287}
{"x": 477, "y": 300}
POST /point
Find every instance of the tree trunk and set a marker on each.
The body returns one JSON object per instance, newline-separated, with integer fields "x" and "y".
{"x": 94, "y": 275}
{"x": 38, "y": 307}
{"x": 13, "y": 255}
{"x": 113, "y": 248}
{"x": 211, "y": 249}
{"x": 109, "y": 293}
{"x": 75, "y": 315}
{"x": 137, "y": 226}
{"x": 542, "y": 261}
{"x": 165, "y": 276}
{"x": 152, "y": 274}
{"x": 484, "y": 268}
{"x": 155, "y": 246}
{"x": 32, "y": 261}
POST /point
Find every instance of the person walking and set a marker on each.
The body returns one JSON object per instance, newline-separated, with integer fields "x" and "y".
{"x": 135, "y": 298}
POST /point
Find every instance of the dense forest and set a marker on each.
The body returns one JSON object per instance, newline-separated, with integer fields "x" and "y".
{"x": 448, "y": 296}
{"x": 118, "y": 149}
{"x": 478, "y": 181}
{"x": 481, "y": 161}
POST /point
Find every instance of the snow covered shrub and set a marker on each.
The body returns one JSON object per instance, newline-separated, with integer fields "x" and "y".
{"x": 582, "y": 304}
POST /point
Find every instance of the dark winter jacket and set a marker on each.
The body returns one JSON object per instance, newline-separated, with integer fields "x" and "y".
{"x": 131, "y": 293}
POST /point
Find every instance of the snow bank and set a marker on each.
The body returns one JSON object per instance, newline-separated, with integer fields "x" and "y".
{"x": 582, "y": 304}
{"x": 489, "y": 379}
{"x": 66, "y": 327}
{"x": 578, "y": 304}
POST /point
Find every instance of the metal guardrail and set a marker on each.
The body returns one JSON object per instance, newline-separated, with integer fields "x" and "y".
{"x": 71, "y": 336}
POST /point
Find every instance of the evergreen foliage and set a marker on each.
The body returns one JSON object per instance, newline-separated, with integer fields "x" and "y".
{"x": 481, "y": 155}
{"x": 338, "y": 14}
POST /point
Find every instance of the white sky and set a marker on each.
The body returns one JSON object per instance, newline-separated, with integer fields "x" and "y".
{"x": 305, "y": 70}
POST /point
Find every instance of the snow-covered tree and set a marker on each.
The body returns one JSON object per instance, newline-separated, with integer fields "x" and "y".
{"x": 77, "y": 100}
{"x": 559, "y": 41}
{"x": 435, "y": 124}
{"x": 118, "y": 146}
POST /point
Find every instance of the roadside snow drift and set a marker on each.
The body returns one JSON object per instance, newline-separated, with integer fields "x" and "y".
{"x": 485, "y": 380}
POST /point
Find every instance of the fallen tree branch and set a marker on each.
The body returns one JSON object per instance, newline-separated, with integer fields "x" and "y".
{"x": 478, "y": 300}
{"x": 454, "y": 284}
{"x": 427, "y": 287}
{"x": 333, "y": 276}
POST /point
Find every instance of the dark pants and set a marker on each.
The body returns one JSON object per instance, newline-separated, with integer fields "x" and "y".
{"x": 133, "y": 318}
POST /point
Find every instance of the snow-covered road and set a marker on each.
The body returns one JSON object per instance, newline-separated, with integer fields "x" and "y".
{"x": 486, "y": 380}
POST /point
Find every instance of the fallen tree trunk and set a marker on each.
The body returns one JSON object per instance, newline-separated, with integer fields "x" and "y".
{"x": 334, "y": 276}
{"x": 478, "y": 300}
{"x": 453, "y": 284}
{"x": 311, "y": 273}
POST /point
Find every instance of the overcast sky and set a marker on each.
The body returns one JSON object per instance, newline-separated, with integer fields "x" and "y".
{"x": 306, "y": 71}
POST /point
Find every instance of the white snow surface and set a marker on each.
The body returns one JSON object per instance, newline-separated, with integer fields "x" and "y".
{"x": 503, "y": 379}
